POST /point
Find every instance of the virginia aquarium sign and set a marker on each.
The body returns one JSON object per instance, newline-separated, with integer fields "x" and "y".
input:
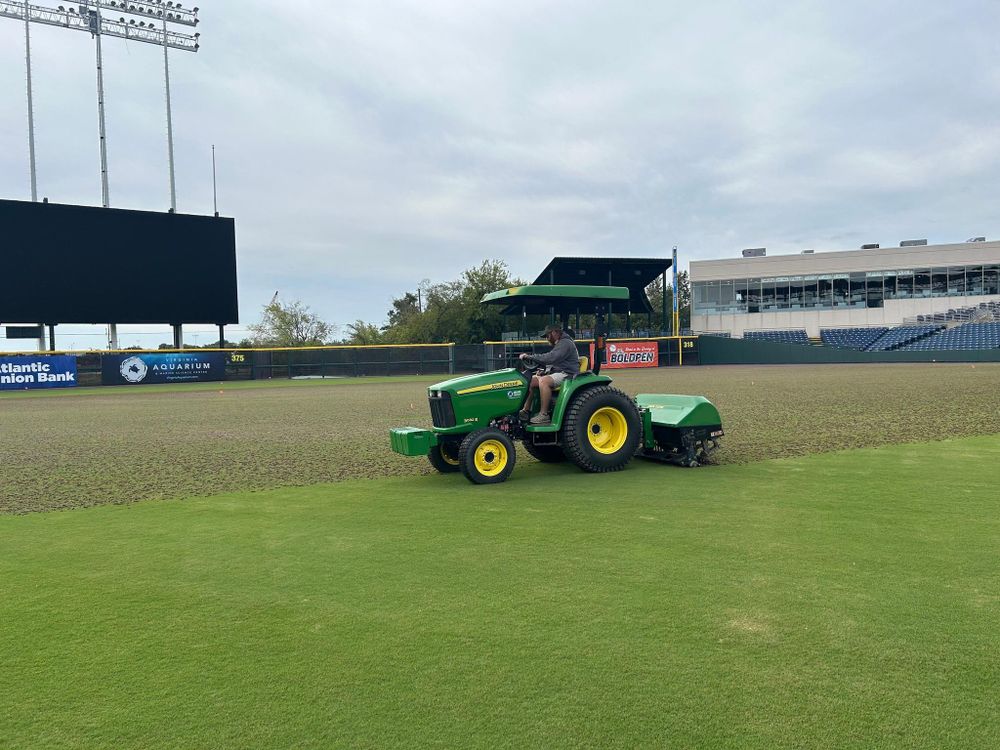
{"x": 55, "y": 371}
{"x": 175, "y": 367}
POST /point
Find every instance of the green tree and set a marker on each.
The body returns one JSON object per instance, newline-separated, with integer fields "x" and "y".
{"x": 484, "y": 322}
{"x": 363, "y": 334}
{"x": 451, "y": 310}
{"x": 404, "y": 309}
{"x": 290, "y": 324}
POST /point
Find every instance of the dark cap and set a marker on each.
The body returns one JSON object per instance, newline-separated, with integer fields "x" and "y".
{"x": 554, "y": 327}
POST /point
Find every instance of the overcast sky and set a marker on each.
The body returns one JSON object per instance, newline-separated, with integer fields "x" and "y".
{"x": 365, "y": 146}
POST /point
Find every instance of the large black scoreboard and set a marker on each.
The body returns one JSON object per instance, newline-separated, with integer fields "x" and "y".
{"x": 80, "y": 264}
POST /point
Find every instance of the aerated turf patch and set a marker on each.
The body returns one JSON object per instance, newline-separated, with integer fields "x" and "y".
{"x": 122, "y": 445}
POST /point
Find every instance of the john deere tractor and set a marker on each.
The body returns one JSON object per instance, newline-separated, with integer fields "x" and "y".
{"x": 594, "y": 425}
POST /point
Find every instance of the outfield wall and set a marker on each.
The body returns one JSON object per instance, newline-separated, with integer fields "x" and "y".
{"x": 715, "y": 350}
{"x": 30, "y": 370}
{"x": 670, "y": 351}
{"x": 143, "y": 367}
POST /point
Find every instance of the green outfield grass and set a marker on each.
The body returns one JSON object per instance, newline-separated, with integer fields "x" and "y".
{"x": 117, "y": 445}
{"x": 844, "y": 600}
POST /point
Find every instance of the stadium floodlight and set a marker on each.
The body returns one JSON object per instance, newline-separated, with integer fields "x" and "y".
{"x": 89, "y": 18}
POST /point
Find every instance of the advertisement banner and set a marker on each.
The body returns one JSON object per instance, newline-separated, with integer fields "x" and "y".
{"x": 173, "y": 367}
{"x": 19, "y": 373}
{"x": 622, "y": 354}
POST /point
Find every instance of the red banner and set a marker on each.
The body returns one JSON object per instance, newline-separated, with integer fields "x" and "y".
{"x": 622, "y": 354}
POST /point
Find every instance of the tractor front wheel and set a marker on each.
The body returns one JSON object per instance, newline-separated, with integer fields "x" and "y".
{"x": 487, "y": 456}
{"x": 602, "y": 430}
{"x": 444, "y": 456}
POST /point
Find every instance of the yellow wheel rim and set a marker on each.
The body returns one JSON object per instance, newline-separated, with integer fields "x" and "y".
{"x": 490, "y": 458}
{"x": 452, "y": 460}
{"x": 607, "y": 430}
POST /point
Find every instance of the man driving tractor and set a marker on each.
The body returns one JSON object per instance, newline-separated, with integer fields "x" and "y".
{"x": 560, "y": 363}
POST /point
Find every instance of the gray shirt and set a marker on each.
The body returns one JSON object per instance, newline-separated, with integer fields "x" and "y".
{"x": 563, "y": 357}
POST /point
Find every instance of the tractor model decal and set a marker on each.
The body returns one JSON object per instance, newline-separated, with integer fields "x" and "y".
{"x": 493, "y": 387}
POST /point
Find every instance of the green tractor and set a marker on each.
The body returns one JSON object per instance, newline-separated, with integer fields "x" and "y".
{"x": 594, "y": 425}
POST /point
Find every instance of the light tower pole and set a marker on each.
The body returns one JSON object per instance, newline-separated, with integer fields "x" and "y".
{"x": 31, "y": 137}
{"x": 170, "y": 126}
{"x": 31, "y": 108}
{"x": 94, "y": 22}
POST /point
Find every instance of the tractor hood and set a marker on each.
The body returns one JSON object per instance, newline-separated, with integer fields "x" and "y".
{"x": 472, "y": 401}
{"x": 482, "y": 382}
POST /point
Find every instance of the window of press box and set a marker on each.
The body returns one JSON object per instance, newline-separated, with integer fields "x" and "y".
{"x": 856, "y": 289}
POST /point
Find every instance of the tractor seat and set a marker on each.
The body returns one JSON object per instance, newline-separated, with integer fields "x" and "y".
{"x": 584, "y": 366}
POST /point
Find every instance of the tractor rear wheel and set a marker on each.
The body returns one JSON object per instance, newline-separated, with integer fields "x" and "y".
{"x": 602, "y": 430}
{"x": 547, "y": 454}
{"x": 444, "y": 456}
{"x": 487, "y": 456}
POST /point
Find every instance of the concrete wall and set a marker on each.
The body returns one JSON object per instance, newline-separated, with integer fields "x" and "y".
{"x": 846, "y": 261}
{"x": 720, "y": 351}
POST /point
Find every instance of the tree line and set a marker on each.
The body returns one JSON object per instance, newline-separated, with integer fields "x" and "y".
{"x": 448, "y": 311}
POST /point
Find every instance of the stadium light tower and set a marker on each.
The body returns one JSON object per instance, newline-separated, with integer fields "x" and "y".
{"x": 31, "y": 109}
{"x": 87, "y": 16}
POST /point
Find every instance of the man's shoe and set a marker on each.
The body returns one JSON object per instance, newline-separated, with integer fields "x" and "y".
{"x": 541, "y": 419}
{"x": 524, "y": 415}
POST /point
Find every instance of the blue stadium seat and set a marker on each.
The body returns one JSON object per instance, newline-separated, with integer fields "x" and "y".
{"x": 901, "y": 336}
{"x": 965, "y": 337}
{"x": 795, "y": 336}
{"x": 852, "y": 338}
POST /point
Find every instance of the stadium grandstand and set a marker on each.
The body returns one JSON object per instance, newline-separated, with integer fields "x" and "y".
{"x": 874, "y": 299}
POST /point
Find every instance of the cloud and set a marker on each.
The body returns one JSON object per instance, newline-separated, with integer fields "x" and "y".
{"x": 365, "y": 146}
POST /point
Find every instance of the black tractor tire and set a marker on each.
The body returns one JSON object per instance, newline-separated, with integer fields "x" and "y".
{"x": 487, "y": 456}
{"x": 444, "y": 456}
{"x": 602, "y": 430}
{"x": 547, "y": 454}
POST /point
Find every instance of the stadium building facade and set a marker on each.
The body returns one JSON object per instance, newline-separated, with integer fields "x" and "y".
{"x": 855, "y": 288}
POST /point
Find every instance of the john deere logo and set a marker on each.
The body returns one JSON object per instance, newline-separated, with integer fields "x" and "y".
{"x": 133, "y": 370}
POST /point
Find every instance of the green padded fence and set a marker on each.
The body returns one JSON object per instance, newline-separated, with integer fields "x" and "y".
{"x": 715, "y": 350}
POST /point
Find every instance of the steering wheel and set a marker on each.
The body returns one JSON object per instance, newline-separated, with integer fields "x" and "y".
{"x": 528, "y": 362}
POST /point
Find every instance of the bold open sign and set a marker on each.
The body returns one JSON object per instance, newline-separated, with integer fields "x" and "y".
{"x": 623, "y": 354}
